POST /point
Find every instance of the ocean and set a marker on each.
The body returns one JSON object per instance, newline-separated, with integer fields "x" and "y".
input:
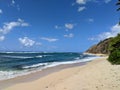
{"x": 13, "y": 64}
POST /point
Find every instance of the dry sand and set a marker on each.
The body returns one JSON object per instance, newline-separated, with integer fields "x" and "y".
{"x": 96, "y": 75}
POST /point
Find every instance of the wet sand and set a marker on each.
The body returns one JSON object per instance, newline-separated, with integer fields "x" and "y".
{"x": 96, "y": 75}
{"x": 36, "y": 75}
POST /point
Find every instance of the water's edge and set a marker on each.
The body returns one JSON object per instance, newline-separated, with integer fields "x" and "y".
{"x": 34, "y": 76}
{"x": 38, "y": 73}
{"x": 18, "y": 64}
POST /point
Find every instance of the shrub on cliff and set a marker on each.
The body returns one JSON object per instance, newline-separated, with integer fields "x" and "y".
{"x": 114, "y": 57}
{"x": 114, "y": 48}
{"x": 115, "y": 43}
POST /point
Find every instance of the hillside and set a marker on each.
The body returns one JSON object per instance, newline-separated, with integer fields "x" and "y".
{"x": 100, "y": 48}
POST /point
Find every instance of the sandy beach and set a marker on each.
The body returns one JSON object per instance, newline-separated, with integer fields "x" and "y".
{"x": 96, "y": 75}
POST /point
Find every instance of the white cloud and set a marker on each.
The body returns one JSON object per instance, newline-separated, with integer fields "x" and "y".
{"x": 15, "y": 5}
{"x": 107, "y": 1}
{"x": 57, "y": 27}
{"x": 69, "y": 26}
{"x": 13, "y": 2}
{"x": 112, "y": 33}
{"x": 2, "y": 38}
{"x": 7, "y": 27}
{"x": 90, "y": 20}
{"x": 26, "y": 41}
{"x": 81, "y": 8}
{"x": 69, "y": 35}
{"x": 1, "y": 11}
{"x": 21, "y": 21}
{"x": 49, "y": 39}
{"x": 81, "y": 1}
{"x": 11, "y": 25}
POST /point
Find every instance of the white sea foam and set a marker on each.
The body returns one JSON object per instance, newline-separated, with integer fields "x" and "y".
{"x": 22, "y": 57}
{"x": 12, "y": 74}
{"x": 39, "y": 56}
{"x": 35, "y": 65}
{"x": 25, "y": 57}
{"x": 21, "y": 52}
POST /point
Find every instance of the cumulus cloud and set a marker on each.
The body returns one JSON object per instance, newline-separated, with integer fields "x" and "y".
{"x": 81, "y": 8}
{"x": 13, "y": 2}
{"x": 2, "y": 38}
{"x": 81, "y": 1}
{"x": 22, "y": 23}
{"x": 57, "y": 27}
{"x": 90, "y": 20}
{"x": 69, "y": 35}
{"x": 7, "y": 27}
{"x": 49, "y": 39}
{"x": 1, "y": 11}
{"x": 26, "y": 41}
{"x": 69, "y": 26}
{"x": 112, "y": 33}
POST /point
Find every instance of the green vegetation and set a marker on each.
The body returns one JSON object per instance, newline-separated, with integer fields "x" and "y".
{"x": 114, "y": 57}
{"x": 114, "y": 48}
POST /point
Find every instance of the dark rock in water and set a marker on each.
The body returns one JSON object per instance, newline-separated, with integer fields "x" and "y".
{"x": 100, "y": 48}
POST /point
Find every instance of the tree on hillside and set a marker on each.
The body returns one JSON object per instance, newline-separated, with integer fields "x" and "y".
{"x": 114, "y": 46}
{"x": 114, "y": 49}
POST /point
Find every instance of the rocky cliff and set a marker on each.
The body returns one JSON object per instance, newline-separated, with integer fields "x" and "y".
{"x": 100, "y": 48}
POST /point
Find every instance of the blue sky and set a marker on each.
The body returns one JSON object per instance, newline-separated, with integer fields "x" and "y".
{"x": 56, "y": 25}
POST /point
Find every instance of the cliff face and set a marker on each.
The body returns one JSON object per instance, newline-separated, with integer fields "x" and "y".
{"x": 100, "y": 48}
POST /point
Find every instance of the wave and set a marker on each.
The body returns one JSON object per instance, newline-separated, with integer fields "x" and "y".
{"x": 35, "y": 65}
{"x": 25, "y": 57}
{"x": 52, "y": 64}
{"x": 40, "y": 56}
{"x": 21, "y": 57}
{"x": 20, "y": 52}
{"x": 38, "y": 67}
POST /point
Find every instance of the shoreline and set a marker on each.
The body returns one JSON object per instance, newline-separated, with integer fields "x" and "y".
{"x": 103, "y": 75}
{"x": 97, "y": 54}
{"x": 38, "y": 74}
{"x": 96, "y": 75}
{"x": 29, "y": 69}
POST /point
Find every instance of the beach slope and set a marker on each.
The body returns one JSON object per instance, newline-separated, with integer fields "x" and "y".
{"x": 96, "y": 75}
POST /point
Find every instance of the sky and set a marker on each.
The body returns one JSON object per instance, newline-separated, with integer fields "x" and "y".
{"x": 56, "y": 25}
